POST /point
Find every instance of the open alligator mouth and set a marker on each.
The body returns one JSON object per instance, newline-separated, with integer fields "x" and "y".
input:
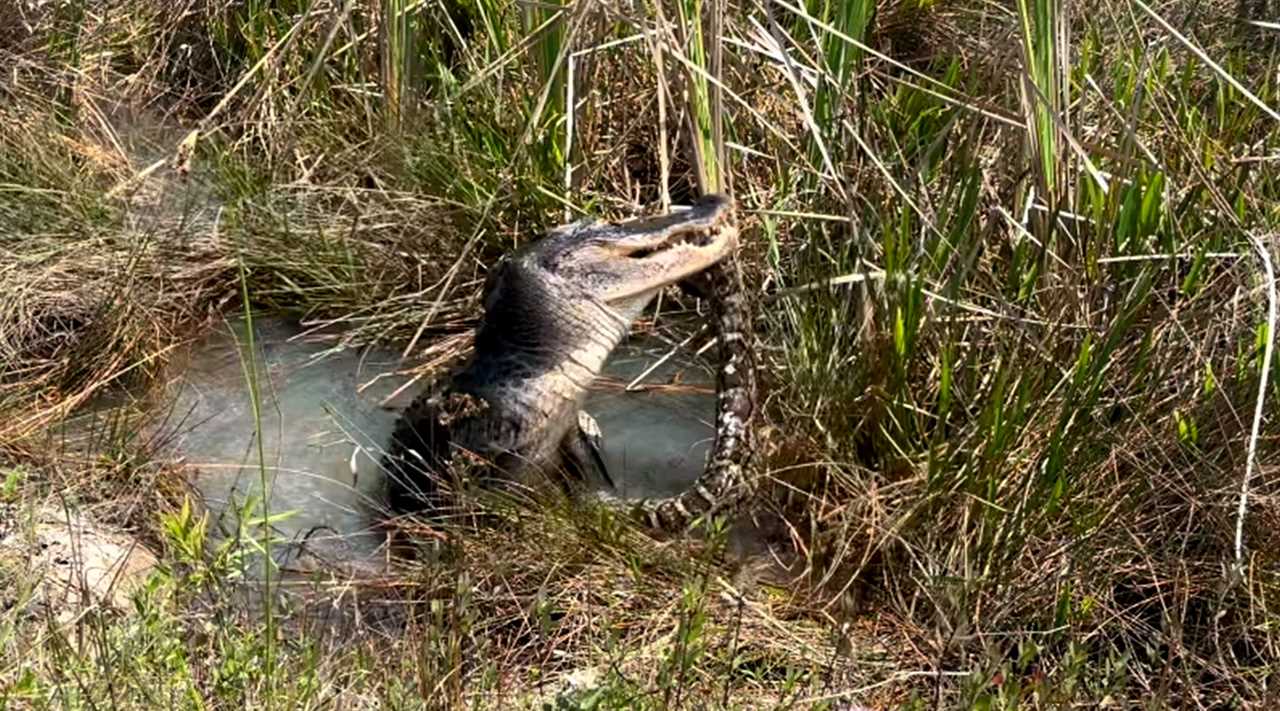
{"x": 696, "y": 224}
{"x": 627, "y": 260}
{"x": 702, "y": 224}
{"x": 693, "y": 238}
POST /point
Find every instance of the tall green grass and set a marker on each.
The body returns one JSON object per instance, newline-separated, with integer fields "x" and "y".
{"x": 837, "y": 97}
{"x": 266, "y": 485}
{"x": 699, "y": 23}
{"x": 399, "y": 55}
{"x": 1045, "y": 92}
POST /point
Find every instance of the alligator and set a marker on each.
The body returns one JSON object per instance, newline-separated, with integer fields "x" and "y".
{"x": 553, "y": 312}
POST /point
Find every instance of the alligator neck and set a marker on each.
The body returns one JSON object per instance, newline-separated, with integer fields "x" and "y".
{"x": 554, "y": 352}
{"x": 532, "y": 371}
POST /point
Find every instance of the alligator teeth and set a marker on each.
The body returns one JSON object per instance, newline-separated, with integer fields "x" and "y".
{"x": 701, "y": 238}
{"x": 698, "y": 237}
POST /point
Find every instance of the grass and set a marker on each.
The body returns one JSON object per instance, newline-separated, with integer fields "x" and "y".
{"x": 1012, "y": 319}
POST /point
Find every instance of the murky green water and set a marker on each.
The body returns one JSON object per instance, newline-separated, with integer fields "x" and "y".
{"x": 324, "y": 424}
{"x": 321, "y": 423}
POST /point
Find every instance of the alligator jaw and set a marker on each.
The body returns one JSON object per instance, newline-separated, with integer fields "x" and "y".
{"x": 630, "y": 261}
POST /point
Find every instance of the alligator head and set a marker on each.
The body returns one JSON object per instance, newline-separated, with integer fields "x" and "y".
{"x": 624, "y": 265}
{"x": 573, "y": 295}
{"x": 553, "y": 312}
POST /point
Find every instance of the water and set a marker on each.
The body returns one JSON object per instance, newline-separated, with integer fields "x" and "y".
{"x": 321, "y": 430}
{"x": 656, "y": 440}
{"x": 325, "y": 424}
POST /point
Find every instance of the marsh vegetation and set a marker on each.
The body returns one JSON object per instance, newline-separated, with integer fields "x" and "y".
{"x": 1013, "y": 270}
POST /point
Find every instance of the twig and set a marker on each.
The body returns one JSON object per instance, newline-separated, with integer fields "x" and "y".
{"x": 631, "y": 386}
{"x": 1251, "y": 461}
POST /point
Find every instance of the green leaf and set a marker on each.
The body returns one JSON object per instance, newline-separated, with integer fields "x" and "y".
{"x": 1082, "y": 361}
{"x": 1188, "y": 433}
{"x": 899, "y": 333}
{"x": 1152, "y": 204}
{"x": 9, "y": 491}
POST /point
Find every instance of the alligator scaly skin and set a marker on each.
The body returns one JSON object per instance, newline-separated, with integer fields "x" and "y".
{"x": 553, "y": 311}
